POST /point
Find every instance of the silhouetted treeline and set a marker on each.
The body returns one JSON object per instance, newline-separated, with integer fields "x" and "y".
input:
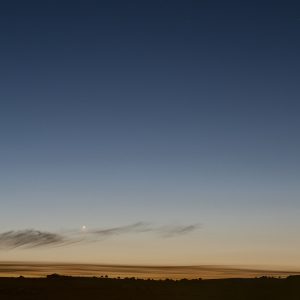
{"x": 66, "y": 287}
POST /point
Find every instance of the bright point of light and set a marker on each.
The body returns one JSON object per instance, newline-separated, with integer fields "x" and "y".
{"x": 83, "y": 228}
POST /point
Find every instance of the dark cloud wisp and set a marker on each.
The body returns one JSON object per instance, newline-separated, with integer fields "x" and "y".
{"x": 132, "y": 228}
{"x": 34, "y": 238}
{"x": 172, "y": 231}
{"x": 140, "y": 227}
{"x": 31, "y": 239}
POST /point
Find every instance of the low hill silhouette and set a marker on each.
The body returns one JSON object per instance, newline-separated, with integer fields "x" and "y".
{"x": 58, "y": 287}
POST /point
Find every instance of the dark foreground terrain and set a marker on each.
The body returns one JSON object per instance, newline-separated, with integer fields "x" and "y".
{"x": 58, "y": 287}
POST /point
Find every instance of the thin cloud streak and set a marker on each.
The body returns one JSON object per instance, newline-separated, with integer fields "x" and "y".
{"x": 30, "y": 238}
{"x": 132, "y": 228}
{"x": 141, "y": 227}
{"x": 172, "y": 231}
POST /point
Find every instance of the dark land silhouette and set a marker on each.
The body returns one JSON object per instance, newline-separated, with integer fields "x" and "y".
{"x": 66, "y": 287}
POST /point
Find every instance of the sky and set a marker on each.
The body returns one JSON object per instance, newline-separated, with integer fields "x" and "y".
{"x": 150, "y": 132}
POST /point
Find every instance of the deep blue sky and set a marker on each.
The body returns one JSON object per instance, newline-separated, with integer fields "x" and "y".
{"x": 113, "y": 112}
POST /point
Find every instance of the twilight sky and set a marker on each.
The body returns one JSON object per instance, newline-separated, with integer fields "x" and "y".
{"x": 157, "y": 116}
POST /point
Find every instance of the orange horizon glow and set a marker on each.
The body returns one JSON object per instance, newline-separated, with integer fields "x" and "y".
{"x": 15, "y": 269}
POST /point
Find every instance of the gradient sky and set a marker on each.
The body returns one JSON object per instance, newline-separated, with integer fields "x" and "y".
{"x": 167, "y": 112}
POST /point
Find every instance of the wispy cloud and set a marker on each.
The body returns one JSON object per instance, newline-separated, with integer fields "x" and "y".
{"x": 132, "y": 228}
{"x": 172, "y": 231}
{"x": 141, "y": 227}
{"x": 31, "y": 238}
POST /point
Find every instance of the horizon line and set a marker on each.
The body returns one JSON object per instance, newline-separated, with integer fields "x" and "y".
{"x": 42, "y": 269}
